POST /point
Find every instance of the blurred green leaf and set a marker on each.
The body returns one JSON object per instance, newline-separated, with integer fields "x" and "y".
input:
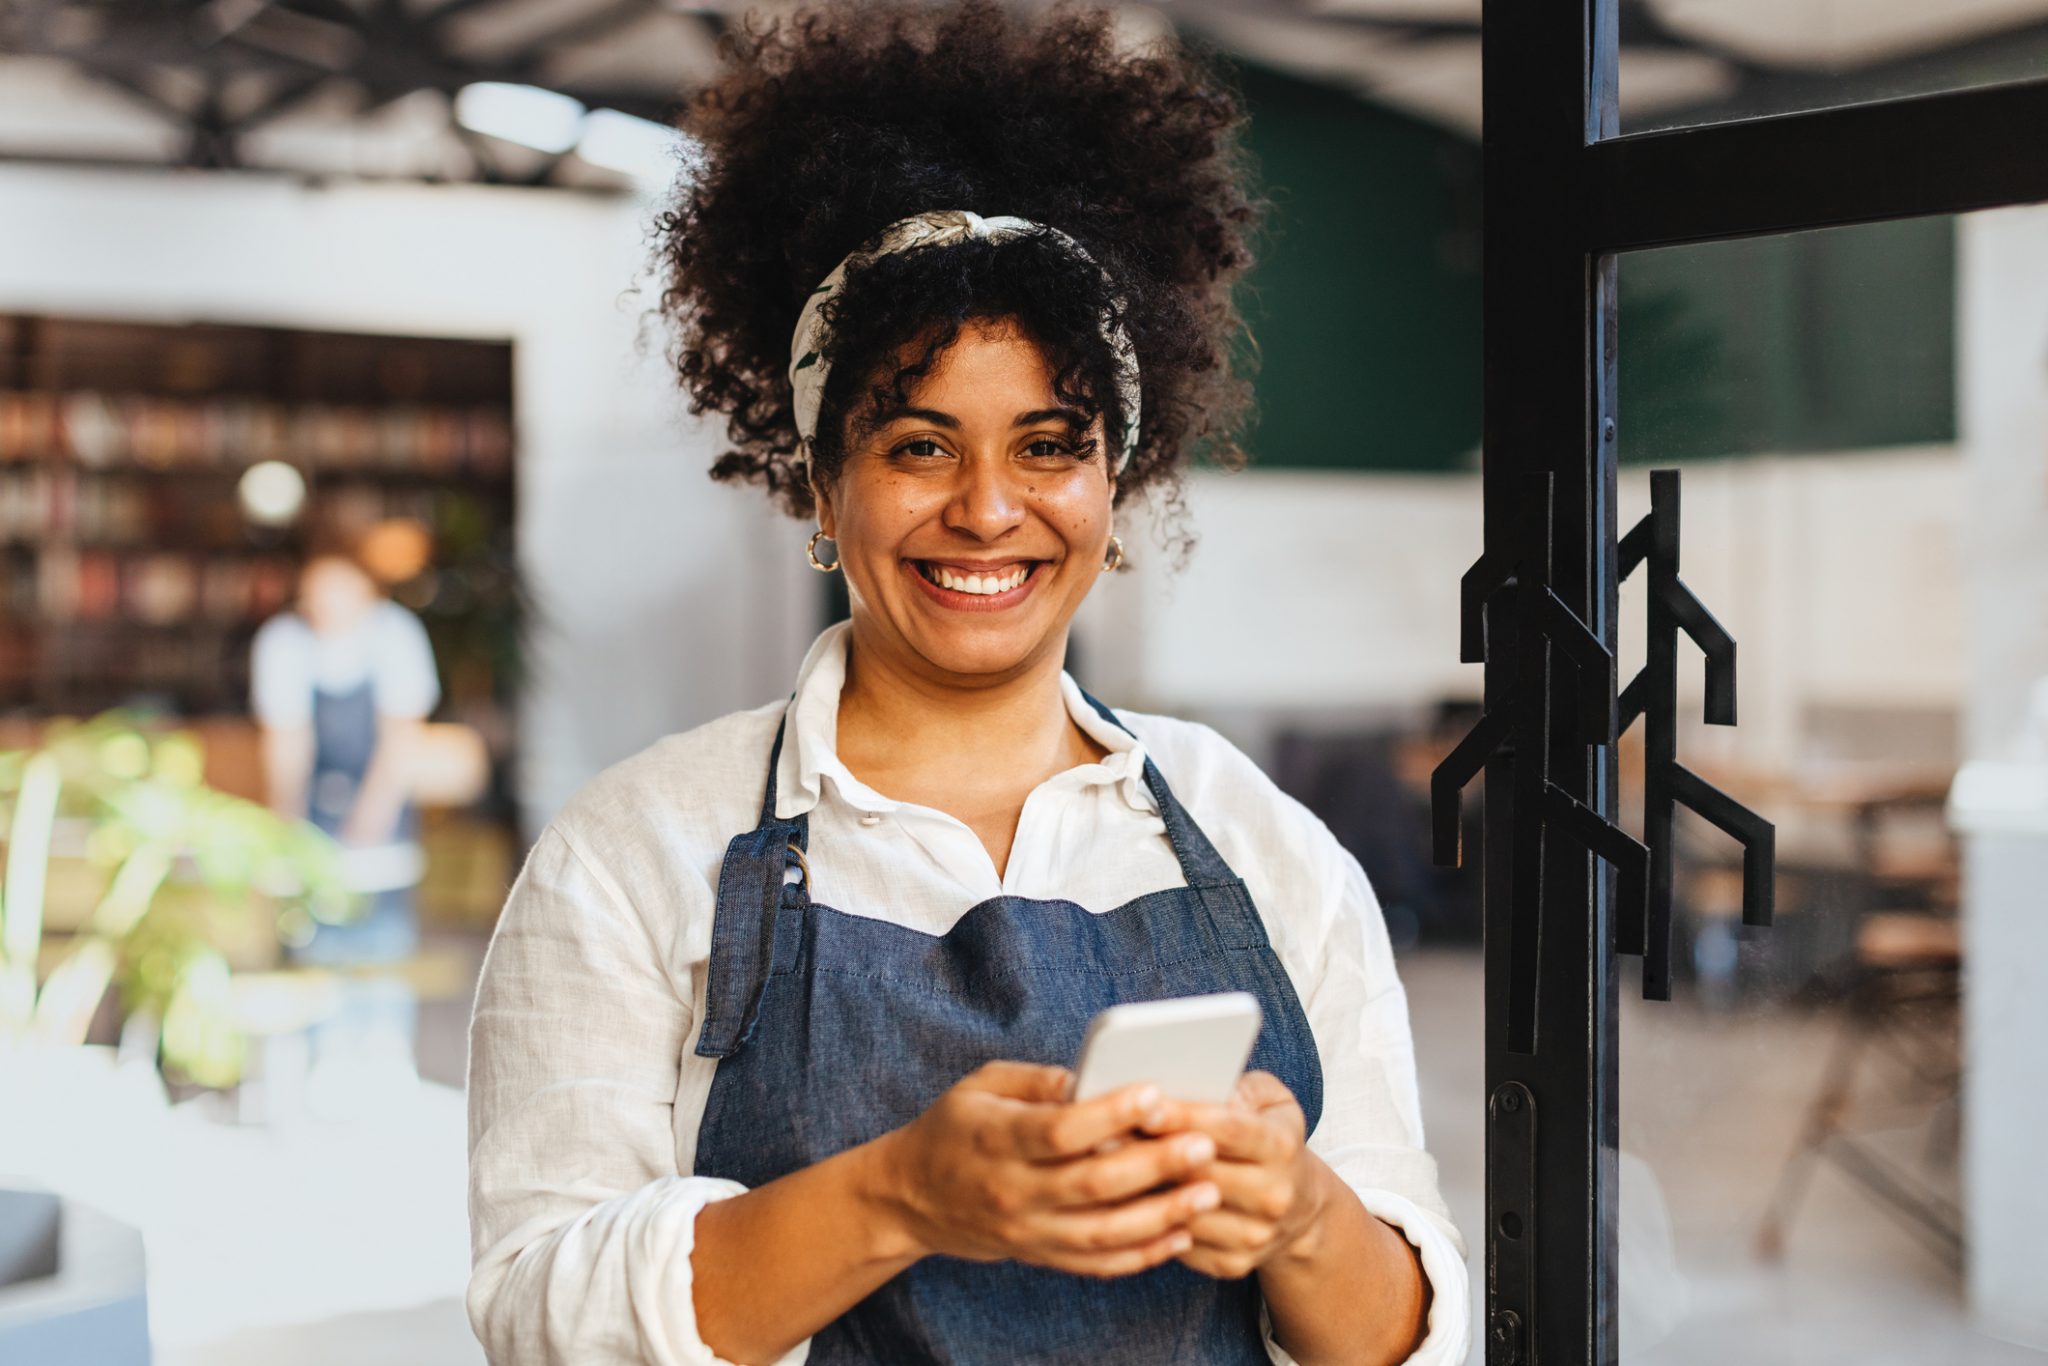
{"x": 151, "y": 817}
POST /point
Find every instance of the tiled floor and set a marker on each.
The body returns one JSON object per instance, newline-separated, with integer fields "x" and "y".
{"x": 1712, "y": 1103}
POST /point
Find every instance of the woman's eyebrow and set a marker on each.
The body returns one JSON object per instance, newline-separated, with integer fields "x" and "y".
{"x": 1073, "y": 417}
{"x": 932, "y": 415}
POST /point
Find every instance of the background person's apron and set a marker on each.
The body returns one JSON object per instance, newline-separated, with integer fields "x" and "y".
{"x": 344, "y": 739}
{"x": 833, "y": 1028}
{"x": 377, "y": 1017}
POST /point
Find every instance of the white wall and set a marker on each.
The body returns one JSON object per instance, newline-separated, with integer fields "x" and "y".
{"x": 2004, "y": 405}
{"x": 1320, "y": 597}
{"x": 667, "y": 600}
{"x": 1839, "y": 577}
{"x": 1305, "y": 591}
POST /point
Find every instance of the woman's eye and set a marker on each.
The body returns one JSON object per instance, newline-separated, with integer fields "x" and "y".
{"x": 1046, "y": 445}
{"x": 921, "y": 447}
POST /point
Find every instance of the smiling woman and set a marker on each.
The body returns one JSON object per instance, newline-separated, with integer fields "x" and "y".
{"x": 768, "y": 1059}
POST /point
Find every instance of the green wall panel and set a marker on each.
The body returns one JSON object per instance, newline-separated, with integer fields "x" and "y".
{"x": 1366, "y": 306}
{"x": 1365, "y": 300}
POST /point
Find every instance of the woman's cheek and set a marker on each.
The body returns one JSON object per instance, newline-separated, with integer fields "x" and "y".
{"x": 1077, "y": 509}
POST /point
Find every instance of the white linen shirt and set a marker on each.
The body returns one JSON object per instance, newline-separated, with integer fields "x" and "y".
{"x": 585, "y": 1092}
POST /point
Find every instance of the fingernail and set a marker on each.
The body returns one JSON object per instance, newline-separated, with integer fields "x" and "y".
{"x": 1198, "y": 1149}
{"x": 1147, "y": 1099}
{"x": 1206, "y": 1197}
{"x": 1182, "y": 1242}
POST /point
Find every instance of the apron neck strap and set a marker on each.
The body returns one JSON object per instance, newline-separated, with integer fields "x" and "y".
{"x": 751, "y": 894}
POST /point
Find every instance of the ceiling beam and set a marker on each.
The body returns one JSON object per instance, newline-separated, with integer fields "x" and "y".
{"x": 1954, "y": 152}
{"x": 606, "y": 18}
{"x": 2011, "y": 55}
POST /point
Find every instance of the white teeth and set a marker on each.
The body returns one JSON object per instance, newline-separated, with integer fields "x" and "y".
{"x": 980, "y": 585}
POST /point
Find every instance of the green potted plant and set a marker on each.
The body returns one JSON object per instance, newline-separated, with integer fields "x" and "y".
{"x": 179, "y": 873}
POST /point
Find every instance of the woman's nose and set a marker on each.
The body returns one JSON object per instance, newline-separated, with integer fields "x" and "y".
{"x": 988, "y": 499}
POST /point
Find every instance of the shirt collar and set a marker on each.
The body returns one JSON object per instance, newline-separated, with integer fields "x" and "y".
{"x": 810, "y": 743}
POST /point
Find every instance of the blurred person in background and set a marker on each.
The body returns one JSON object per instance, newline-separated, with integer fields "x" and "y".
{"x": 767, "y": 1059}
{"x": 340, "y": 688}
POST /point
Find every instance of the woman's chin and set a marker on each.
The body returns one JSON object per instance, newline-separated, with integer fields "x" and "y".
{"x": 970, "y": 645}
{"x": 978, "y": 650}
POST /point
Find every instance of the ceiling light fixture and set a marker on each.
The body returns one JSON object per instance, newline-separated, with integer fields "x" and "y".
{"x": 640, "y": 148}
{"x": 526, "y": 114}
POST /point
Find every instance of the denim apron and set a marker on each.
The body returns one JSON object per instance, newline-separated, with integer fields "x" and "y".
{"x": 831, "y": 1029}
{"x": 344, "y": 741}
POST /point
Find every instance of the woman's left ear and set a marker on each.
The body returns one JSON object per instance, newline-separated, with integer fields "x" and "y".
{"x": 823, "y": 504}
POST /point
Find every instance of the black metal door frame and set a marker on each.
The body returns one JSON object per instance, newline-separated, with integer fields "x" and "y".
{"x": 1564, "y": 193}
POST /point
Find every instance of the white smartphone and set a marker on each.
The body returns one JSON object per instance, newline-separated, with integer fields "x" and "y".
{"x": 1191, "y": 1047}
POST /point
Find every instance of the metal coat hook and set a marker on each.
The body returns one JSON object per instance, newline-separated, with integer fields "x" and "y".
{"x": 1518, "y": 725}
{"x": 1653, "y": 695}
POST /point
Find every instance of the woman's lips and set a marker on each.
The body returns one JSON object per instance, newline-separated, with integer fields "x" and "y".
{"x": 974, "y": 602}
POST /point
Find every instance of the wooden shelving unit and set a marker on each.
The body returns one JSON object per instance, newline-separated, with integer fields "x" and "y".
{"x": 129, "y": 571}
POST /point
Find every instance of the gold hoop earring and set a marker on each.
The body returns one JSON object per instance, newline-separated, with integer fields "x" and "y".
{"x": 1115, "y": 561}
{"x": 811, "y": 553}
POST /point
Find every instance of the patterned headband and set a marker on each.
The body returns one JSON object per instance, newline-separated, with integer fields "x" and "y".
{"x": 807, "y": 364}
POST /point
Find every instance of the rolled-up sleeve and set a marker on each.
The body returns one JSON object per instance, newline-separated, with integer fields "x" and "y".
{"x": 581, "y": 1226}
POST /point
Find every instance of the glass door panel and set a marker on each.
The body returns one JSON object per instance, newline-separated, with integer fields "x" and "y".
{"x": 1831, "y": 1137}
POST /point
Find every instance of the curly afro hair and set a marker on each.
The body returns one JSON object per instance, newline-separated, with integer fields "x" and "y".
{"x": 835, "y": 121}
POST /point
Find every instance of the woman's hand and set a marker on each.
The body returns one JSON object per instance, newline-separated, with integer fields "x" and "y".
{"x": 1272, "y": 1197}
{"x": 1004, "y": 1166}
